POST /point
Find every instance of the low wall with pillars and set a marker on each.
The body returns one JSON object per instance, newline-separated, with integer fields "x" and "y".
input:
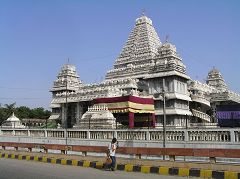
{"x": 175, "y": 138}
{"x": 203, "y": 143}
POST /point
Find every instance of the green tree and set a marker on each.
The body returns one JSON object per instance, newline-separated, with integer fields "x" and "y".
{"x": 23, "y": 112}
{"x": 3, "y": 114}
{"x": 10, "y": 108}
{"x": 40, "y": 113}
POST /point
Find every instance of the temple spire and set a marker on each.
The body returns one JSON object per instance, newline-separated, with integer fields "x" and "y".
{"x": 142, "y": 39}
{"x": 216, "y": 80}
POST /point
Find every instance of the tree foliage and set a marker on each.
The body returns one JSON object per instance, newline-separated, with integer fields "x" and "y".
{"x": 23, "y": 112}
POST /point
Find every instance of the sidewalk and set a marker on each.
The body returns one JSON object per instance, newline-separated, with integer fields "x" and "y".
{"x": 180, "y": 168}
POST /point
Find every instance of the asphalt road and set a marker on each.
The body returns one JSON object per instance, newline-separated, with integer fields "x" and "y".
{"x": 21, "y": 169}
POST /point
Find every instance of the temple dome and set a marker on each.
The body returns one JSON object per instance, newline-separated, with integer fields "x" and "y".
{"x": 12, "y": 122}
{"x": 143, "y": 19}
{"x": 214, "y": 71}
{"x": 13, "y": 118}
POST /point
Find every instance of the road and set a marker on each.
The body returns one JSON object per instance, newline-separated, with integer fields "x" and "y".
{"x": 21, "y": 169}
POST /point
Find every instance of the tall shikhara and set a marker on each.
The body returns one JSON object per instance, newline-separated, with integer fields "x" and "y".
{"x": 141, "y": 47}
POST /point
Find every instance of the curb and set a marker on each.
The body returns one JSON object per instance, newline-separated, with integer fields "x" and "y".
{"x": 173, "y": 171}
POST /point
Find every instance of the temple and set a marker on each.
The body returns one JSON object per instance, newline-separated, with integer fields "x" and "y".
{"x": 148, "y": 81}
{"x": 12, "y": 122}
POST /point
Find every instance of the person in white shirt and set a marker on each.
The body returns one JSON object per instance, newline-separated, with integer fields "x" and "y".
{"x": 111, "y": 153}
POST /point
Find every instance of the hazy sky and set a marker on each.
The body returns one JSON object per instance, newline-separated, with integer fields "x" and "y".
{"x": 37, "y": 37}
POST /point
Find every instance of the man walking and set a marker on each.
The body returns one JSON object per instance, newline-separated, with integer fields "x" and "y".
{"x": 111, "y": 153}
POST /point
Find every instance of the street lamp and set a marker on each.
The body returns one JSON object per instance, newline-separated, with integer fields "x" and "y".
{"x": 66, "y": 106}
{"x": 164, "y": 112}
{"x": 66, "y": 116}
{"x": 186, "y": 122}
{"x": 164, "y": 116}
{"x": 89, "y": 123}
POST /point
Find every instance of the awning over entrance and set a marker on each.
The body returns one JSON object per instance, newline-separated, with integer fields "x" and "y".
{"x": 125, "y": 104}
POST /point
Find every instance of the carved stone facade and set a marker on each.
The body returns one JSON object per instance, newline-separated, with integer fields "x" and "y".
{"x": 146, "y": 67}
{"x": 97, "y": 117}
{"x": 216, "y": 80}
{"x": 205, "y": 97}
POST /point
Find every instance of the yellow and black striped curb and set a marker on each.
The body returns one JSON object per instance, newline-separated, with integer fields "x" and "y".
{"x": 184, "y": 172}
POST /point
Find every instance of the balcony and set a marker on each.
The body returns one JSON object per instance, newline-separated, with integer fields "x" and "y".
{"x": 201, "y": 115}
{"x": 200, "y": 99}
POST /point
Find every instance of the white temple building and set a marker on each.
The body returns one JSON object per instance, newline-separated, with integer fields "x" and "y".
{"x": 12, "y": 122}
{"x": 145, "y": 69}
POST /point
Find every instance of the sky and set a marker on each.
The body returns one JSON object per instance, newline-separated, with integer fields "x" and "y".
{"x": 38, "y": 36}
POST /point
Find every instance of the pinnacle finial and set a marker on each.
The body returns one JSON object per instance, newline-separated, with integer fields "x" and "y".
{"x": 143, "y": 12}
{"x": 167, "y": 38}
{"x": 68, "y": 61}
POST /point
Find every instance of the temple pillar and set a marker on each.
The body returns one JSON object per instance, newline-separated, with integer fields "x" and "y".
{"x": 63, "y": 115}
{"x": 153, "y": 120}
{"x": 131, "y": 120}
{"x": 78, "y": 113}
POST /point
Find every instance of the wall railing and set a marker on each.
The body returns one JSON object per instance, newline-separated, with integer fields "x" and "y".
{"x": 195, "y": 142}
{"x": 172, "y": 153}
{"x": 218, "y": 135}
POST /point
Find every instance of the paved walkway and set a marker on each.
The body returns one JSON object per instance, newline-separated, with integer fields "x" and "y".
{"x": 16, "y": 169}
{"x": 180, "y": 168}
{"x": 153, "y": 162}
